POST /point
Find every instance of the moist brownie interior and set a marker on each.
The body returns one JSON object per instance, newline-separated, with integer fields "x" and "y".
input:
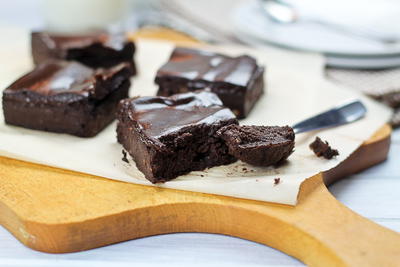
{"x": 172, "y": 136}
{"x": 259, "y": 145}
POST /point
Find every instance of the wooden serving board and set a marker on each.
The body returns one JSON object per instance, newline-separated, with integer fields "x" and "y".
{"x": 60, "y": 211}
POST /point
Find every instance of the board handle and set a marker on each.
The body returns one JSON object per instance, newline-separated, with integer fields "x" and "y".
{"x": 320, "y": 231}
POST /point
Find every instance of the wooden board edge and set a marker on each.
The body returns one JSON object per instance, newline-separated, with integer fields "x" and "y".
{"x": 372, "y": 152}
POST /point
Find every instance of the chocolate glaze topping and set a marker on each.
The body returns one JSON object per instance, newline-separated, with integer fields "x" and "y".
{"x": 96, "y": 49}
{"x": 203, "y": 65}
{"x": 161, "y": 116}
{"x": 60, "y": 43}
{"x": 55, "y": 78}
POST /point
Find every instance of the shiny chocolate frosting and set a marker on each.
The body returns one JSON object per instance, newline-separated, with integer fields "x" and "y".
{"x": 60, "y": 43}
{"x": 158, "y": 117}
{"x": 204, "y": 65}
{"x": 58, "y": 77}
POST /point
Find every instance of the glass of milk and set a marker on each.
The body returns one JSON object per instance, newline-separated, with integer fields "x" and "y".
{"x": 82, "y": 15}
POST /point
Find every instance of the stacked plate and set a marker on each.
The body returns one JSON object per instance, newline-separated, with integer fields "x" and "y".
{"x": 342, "y": 48}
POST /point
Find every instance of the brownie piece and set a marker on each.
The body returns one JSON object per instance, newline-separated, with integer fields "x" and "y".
{"x": 172, "y": 136}
{"x": 259, "y": 145}
{"x": 238, "y": 82}
{"x": 66, "y": 97}
{"x": 96, "y": 49}
{"x": 322, "y": 149}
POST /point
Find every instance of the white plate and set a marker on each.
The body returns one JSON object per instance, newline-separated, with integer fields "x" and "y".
{"x": 249, "y": 20}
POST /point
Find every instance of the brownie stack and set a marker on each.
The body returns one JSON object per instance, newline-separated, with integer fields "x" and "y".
{"x": 81, "y": 83}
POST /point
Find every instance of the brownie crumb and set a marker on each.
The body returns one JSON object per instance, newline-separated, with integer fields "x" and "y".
{"x": 124, "y": 158}
{"x": 277, "y": 180}
{"x": 322, "y": 149}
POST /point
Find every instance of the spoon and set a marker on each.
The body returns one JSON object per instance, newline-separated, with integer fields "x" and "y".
{"x": 285, "y": 13}
{"x": 337, "y": 116}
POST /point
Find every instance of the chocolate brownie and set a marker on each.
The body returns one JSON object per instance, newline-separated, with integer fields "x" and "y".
{"x": 322, "y": 149}
{"x": 172, "y": 136}
{"x": 96, "y": 49}
{"x": 259, "y": 145}
{"x": 237, "y": 81}
{"x": 66, "y": 97}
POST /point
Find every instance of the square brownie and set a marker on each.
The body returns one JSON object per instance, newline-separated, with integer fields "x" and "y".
{"x": 238, "y": 82}
{"x": 96, "y": 49}
{"x": 172, "y": 136}
{"x": 66, "y": 97}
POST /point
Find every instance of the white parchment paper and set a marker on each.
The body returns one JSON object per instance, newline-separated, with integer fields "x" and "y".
{"x": 295, "y": 90}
